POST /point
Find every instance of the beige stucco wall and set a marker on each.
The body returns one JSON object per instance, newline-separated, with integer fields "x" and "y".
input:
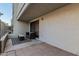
{"x": 20, "y": 28}
{"x": 61, "y": 28}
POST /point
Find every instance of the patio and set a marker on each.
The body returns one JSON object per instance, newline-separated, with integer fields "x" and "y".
{"x": 33, "y": 48}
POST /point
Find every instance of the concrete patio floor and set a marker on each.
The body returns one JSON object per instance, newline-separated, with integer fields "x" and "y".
{"x": 34, "y": 49}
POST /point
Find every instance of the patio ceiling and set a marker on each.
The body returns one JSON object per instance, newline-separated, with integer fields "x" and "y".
{"x": 35, "y": 10}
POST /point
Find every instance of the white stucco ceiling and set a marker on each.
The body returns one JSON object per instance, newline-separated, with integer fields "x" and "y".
{"x": 35, "y": 10}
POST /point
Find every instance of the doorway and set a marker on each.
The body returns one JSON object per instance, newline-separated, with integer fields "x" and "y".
{"x": 34, "y": 27}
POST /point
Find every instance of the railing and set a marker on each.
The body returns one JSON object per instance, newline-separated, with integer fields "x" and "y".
{"x": 3, "y": 40}
{"x": 2, "y": 33}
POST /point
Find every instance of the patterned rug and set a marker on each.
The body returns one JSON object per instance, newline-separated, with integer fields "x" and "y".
{"x": 16, "y": 41}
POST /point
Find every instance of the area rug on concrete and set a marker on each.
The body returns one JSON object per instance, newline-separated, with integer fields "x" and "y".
{"x": 16, "y": 41}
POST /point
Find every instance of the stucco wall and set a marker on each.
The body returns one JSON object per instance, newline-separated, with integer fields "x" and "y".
{"x": 18, "y": 26}
{"x": 61, "y": 28}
